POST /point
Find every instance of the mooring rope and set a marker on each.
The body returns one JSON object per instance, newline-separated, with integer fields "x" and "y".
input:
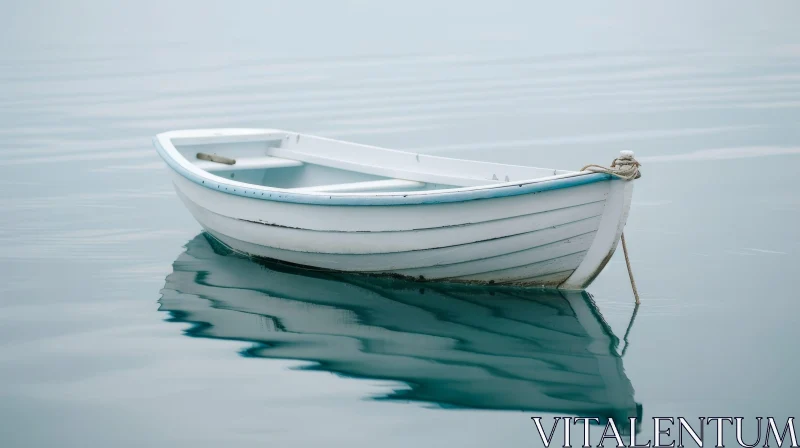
{"x": 630, "y": 271}
{"x": 627, "y": 168}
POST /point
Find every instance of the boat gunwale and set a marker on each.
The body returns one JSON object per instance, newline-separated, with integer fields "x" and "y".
{"x": 178, "y": 163}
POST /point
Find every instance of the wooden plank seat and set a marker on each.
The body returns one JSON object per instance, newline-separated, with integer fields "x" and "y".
{"x": 251, "y": 163}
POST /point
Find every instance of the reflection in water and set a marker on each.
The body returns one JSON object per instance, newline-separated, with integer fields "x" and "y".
{"x": 477, "y": 347}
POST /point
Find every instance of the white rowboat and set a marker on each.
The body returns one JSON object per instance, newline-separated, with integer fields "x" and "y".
{"x": 343, "y": 206}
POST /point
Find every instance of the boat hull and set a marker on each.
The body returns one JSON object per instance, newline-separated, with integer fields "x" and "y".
{"x": 555, "y": 238}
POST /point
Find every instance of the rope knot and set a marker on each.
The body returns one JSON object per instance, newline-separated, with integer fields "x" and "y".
{"x": 624, "y": 167}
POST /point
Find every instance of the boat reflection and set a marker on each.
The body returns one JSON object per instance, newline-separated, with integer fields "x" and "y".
{"x": 476, "y": 347}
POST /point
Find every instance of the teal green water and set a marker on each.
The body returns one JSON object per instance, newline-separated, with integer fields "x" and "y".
{"x": 121, "y": 325}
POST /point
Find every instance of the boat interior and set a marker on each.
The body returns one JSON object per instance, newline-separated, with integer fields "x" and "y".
{"x": 303, "y": 163}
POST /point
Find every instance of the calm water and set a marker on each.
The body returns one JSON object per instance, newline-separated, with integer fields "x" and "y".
{"x": 121, "y": 325}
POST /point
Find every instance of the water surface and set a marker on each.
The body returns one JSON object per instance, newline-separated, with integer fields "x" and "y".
{"x": 120, "y": 325}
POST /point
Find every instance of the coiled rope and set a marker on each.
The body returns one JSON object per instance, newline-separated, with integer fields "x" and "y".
{"x": 627, "y": 168}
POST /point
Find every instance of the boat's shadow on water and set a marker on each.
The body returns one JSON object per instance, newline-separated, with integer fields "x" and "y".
{"x": 474, "y": 347}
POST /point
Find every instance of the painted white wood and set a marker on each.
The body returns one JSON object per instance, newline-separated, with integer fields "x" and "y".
{"x": 608, "y": 234}
{"x": 252, "y": 163}
{"x": 428, "y": 258}
{"x": 538, "y": 269}
{"x": 506, "y": 262}
{"x": 548, "y": 272}
{"x": 301, "y": 240}
{"x": 387, "y": 218}
{"x": 560, "y": 237}
{"x": 374, "y": 185}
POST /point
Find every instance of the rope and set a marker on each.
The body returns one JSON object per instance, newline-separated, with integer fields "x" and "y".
{"x": 627, "y": 168}
{"x": 630, "y": 271}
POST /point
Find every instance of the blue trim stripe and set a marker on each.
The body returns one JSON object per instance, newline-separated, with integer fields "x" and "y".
{"x": 270, "y": 194}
